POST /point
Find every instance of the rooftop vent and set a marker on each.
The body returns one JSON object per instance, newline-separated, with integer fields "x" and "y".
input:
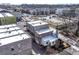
{"x": 40, "y": 23}
{"x": 9, "y": 31}
{"x": 12, "y": 49}
{"x": 7, "y": 27}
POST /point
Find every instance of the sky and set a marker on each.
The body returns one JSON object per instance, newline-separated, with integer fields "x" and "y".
{"x": 40, "y": 1}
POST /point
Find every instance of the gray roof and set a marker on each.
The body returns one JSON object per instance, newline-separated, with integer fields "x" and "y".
{"x": 6, "y": 15}
{"x": 11, "y": 33}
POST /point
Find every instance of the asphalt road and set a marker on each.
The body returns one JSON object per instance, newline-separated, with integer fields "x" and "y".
{"x": 38, "y": 49}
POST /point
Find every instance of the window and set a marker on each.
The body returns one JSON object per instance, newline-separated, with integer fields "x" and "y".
{"x": 46, "y": 42}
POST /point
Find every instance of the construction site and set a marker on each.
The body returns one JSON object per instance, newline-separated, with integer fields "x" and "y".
{"x": 40, "y": 34}
{"x": 52, "y": 35}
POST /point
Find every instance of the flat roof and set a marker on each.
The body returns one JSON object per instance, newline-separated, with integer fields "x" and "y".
{"x": 55, "y": 20}
{"x": 41, "y": 31}
{"x": 1, "y": 15}
{"x": 6, "y": 26}
{"x": 37, "y": 23}
{"x": 8, "y": 14}
{"x": 9, "y": 29}
{"x": 12, "y": 34}
{"x": 9, "y": 40}
{"x": 26, "y": 19}
{"x": 49, "y": 38}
